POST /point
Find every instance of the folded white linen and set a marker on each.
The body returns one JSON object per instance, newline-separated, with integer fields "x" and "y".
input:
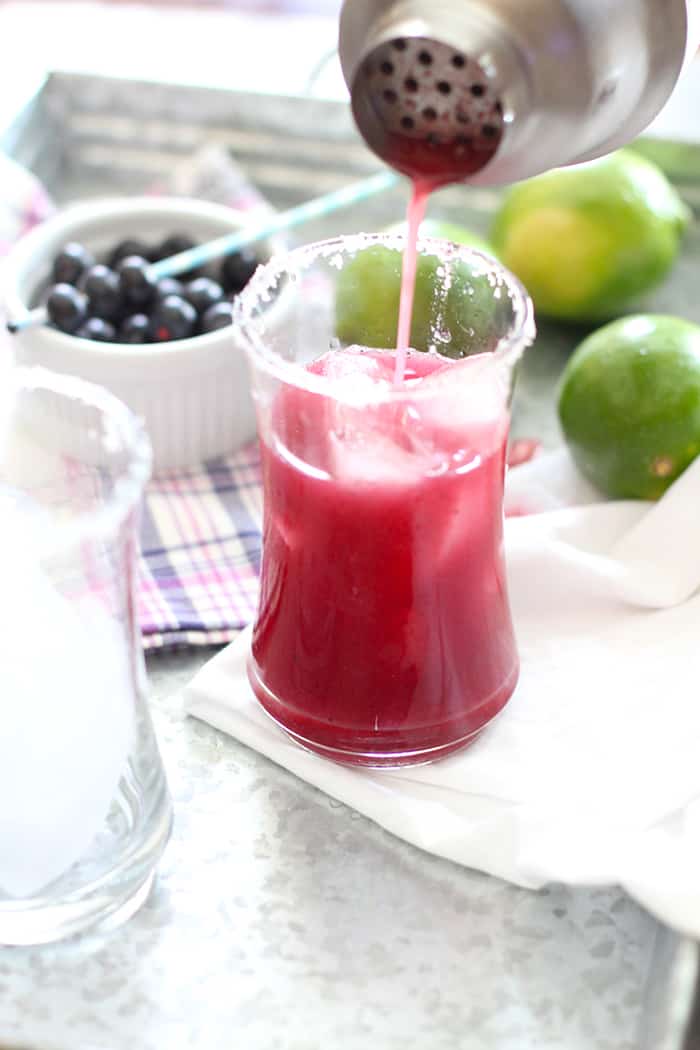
{"x": 591, "y": 773}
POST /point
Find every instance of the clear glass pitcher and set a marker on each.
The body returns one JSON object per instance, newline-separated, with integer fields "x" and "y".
{"x": 84, "y": 808}
{"x": 383, "y": 634}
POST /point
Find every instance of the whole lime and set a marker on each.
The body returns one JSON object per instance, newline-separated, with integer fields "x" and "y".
{"x": 459, "y": 308}
{"x": 629, "y": 404}
{"x": 588, "y": 240}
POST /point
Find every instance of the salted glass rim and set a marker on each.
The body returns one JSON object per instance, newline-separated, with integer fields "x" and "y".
{"x": 262, "y": 287}
{"x": 127, "y": 486}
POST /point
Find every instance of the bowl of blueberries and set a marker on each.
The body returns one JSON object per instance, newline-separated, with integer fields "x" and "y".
{"x": 166, "y": 347}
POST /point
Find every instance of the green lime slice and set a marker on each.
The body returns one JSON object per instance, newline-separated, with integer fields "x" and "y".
{"x": 458, "y": 309}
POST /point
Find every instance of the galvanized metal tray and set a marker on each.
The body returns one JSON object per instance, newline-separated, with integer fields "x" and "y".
{"x": 86, "y": 136}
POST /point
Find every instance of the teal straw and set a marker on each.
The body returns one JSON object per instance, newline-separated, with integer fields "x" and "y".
{"x": 274, "y": 223}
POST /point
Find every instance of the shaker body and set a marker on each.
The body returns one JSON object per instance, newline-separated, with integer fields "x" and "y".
{"x": 573, "y": 79}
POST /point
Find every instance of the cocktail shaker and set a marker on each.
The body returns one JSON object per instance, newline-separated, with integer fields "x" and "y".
{"x": 500, "y": 90}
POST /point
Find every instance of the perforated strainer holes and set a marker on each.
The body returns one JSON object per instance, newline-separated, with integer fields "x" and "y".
{"x": 423, "y": 90}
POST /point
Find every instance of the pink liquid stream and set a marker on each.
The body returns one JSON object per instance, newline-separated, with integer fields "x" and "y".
{"x": 415, "y": 215}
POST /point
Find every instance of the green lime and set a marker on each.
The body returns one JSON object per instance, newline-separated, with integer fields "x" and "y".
{"x": 448, "y": 231}
{"x": 629, "y": 404}
{"x": 460, "y": 312}
{"x": 588, "y": 240}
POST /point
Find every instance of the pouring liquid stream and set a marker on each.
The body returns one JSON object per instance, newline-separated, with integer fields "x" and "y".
{"x": 415, "y": 215}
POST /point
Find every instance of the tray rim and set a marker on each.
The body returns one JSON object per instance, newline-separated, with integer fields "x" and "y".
{"x": 679, "y": 158}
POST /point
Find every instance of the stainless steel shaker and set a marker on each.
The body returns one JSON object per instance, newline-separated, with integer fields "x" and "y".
{"x": 499, "y": 90}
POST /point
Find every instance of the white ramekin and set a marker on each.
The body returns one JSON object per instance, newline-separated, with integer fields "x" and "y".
{"x": 192, "y": 394}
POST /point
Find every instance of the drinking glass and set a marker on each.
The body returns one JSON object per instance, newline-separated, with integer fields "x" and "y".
{"x": 84, "y": 808}
{"x": 383, "y": 635}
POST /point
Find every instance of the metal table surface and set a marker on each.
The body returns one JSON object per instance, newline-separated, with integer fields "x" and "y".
{"x": 281, "y": 919}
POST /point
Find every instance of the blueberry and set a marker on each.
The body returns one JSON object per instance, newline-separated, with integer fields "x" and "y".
{"x": 173, "y": 245}
{"x": 136, "y": 283}
{"x": 217, "y": 316}
{"x": 203, "y": 293}
{"x": 98, "y": 329}
{"x": 101, "y": 285}
{"x": 66, "y": 307}
{"x": 237, "y": 269}
{"x": 126, "y": 248}
{"x": 135, "y": 329}
{"x": 169, "y": 286}
{"x": 70, "y": 263}
{"x": 173, "y": 318}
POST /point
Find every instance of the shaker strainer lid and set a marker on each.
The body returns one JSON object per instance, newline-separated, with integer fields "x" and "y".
{"x": 427, "y": 109}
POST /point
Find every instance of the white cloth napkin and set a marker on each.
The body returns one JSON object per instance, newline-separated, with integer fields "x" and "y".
{"x": 591, "y": 775}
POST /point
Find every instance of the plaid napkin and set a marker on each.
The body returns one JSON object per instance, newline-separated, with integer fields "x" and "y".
{"x": 200, "y": 552}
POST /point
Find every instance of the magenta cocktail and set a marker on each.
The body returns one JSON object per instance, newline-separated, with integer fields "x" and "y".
{"x": 383, "y": 634}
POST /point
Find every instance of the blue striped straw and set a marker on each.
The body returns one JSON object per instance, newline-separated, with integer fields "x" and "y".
{"x": 274, "y": 223}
